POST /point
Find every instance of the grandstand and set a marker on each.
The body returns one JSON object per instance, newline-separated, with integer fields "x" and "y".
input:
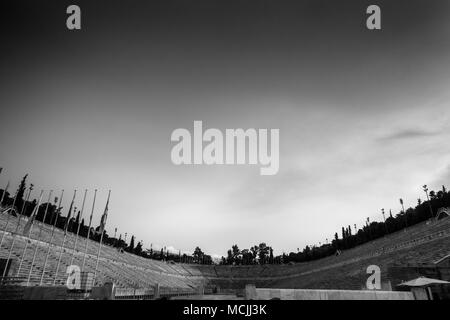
{"x": 124, "y": 269}
{"x": 426, "y": 242}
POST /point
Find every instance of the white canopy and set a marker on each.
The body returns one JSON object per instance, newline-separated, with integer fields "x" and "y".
{"x": 422, "y": 282}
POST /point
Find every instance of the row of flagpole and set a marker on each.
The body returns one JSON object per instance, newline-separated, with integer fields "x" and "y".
{"x": 65, "y": 236}
{"x": 49, "y": 244}
{"x": 27, "y": 231}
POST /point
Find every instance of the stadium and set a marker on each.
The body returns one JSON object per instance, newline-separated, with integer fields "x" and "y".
{"x": 38, "y": 259}
{"x": 224, "y": 150}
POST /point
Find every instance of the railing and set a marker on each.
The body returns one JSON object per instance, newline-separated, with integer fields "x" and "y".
{"x": 13, "y": 288}
{"x": 133, "y": 294}
{"x": 154, "y": 293}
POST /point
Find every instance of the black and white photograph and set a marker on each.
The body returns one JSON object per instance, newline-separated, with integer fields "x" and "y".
{"x": 219, "y": 155}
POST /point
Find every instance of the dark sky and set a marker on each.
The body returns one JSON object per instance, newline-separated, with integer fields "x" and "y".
{"x": 363, "y": 115}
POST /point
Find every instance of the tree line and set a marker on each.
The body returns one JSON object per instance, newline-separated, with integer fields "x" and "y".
{"x": 257, "y": 254}
{"x": 423, "y": 211}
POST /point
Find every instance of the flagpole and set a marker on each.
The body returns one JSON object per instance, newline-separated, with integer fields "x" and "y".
{"x": 36, "y": 209}
{"x": 65, "y": 236}
{"x": 78, "y": 229}
{"x": 23, "y": 208}
{"x": 102, "y": 230}
{"x": 89, "y": 230}
{"x": 4, "y": 192}
{"x": 51, "y": 238}
{"x": 15, "y": 232}
{"x": 7, "y": 220}
{"x": 39, "y": 236}
{"x": 30, "y": 188}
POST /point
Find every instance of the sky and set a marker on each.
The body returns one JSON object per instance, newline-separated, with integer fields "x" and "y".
{"x": 363, "y": 115}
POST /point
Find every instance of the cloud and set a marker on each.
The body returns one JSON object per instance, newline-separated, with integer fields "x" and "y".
{"x": 408, "y": 134}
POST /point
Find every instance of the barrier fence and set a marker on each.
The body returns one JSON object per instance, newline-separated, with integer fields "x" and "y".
{"x": 13, "y": 288}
